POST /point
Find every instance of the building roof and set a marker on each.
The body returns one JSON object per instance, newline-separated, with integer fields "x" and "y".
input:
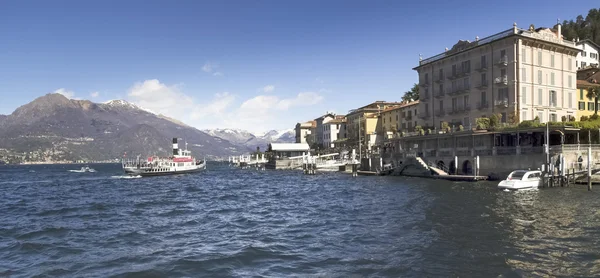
{"x": 462, "y": 46}
{"x": 325, "y": 116}
{"x": 402, "y": 105}
{"x": 592, "y": 43}
{"x": 373, "y": 107}
{"x": 289, "y": 147}
{"x": 337, "y": 121}
{"x": 588, "y": 80}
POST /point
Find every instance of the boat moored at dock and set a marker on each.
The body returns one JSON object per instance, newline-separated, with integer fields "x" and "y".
{"x": 522, "y": 180}
{"x": 180, "y": 162}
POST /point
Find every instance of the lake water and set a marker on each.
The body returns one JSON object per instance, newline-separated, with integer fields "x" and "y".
{"x": 228, "y": 222}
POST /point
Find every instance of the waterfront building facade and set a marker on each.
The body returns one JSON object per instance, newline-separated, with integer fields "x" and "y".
{"x": 408, "y": 116}
{"x": 588, "y": 54}
{"x": 303, "y": 130}
{"x": 519, "y": 74}
{"x": 334, "y": 130}
{"x": 361, "y": 124}
{"x": 587, "y": 79}
{"x": 321, "y": 121}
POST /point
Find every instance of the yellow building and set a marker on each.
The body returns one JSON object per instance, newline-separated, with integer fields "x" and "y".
{"x": 362, "y": 124}
{"x": 587, "y": 78}
{"x": 399, "y": 118}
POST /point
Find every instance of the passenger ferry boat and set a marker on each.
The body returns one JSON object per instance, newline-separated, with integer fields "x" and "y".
{"x": 180, "y": 163}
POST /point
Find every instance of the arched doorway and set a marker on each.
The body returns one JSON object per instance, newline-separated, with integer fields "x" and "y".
{"x": 467, "y": 168}
{"x": 452, "y": 168}
{"x": 440, "y": 164}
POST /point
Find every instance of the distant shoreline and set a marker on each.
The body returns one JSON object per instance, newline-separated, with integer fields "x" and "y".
{"x": 63, "y": 162}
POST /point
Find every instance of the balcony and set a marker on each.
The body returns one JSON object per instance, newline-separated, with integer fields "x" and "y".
{"x": 467, "y": 108}
{"x": 460, "y": 89}
{"x": 424, "y": 115}
{"x": 502, "y": 80}
{"x": 424, "y": 84}
{"x": 408, "y": 117}
{"x": 440, "y": 113}
{"x": 482, "y": 105}
{"x": 483, "y": 85}
{"x": 424, "y": 97}
{"x": 501, "y": 102}
{"x": 455, "y": 110}
{"x": 440, "y": 79}
{"x": 482, "y": 68}
{"x": 503, "y": 61}
{"x": 440, "y": 94}
{"x": 454, "y": 75}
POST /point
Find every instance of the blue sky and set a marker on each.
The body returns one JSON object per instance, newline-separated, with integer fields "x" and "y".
{"x": 255, "y": 65}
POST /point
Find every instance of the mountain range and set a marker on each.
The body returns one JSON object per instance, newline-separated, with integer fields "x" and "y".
{"x": 250, "y": 140}
{"x": 55, "y": 128}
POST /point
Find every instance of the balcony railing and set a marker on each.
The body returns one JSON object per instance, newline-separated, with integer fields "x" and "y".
{"x": 440, "y": 94}
{"x": 501, "y": 102}
{"x": 467, "y": 107}
{"x": 440, "y": 79}
{"x": 460, "y": 89}
{"x": 502, "y": 80}
{"x": 503, "y": 61}
{"x": 483, "y": 84}
{"x": 408, "y": 117}
{"x": 482, "y": 67}
{"x": 455, "y": 110}
{"x": 424, "y": 84}
{"x": 440, "y": 113}
{"x": 424, "y": 115}
{"x": 482, "y": 105}
{"x": 424, "y": 97}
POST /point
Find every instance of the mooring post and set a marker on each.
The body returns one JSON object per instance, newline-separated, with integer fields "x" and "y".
{"x": 456, "y": 165}
{"x": 589, "y": 161}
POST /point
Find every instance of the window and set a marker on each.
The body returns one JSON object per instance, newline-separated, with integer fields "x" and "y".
{"x": 483, "y": 62}
{"x": 466, "y": 66}
{"x": 583, "y": 64}
{"x": 551, "y": 60}
{"x": 539, "y": 77}
{"x": 541, "y": 116}
{"x": 540, "y": 93}
{"x": 503, "y": 72}
{"x": 454, "y": 104}
{"x": 453, "y": 70}
{"x": 524, "y": 73}
{"x": 426, "y": 91}
{"x": 570, "y": 64}
{"x": 466, "y": 101}
{"x": 524, "y": 55}
{"x": 570, "y": 100}
{"x": 524, "y": 95}
{"x": 583, "y": 54}
{"x": 483, "y": 79}
{"x": 454, "y": 85}
{"x": 552, "y": 117}
{"x": 590, "y": 106}
{"x": 502, "y": 53}
{"x": 503, "y": 94}
{"x": 426, "y": 78}
{"x": 582, "y": 105}
{"x": 503, "y": 117}
{"x": 466, "y": 83}
{"x": 552, "y": 98}
{"x": 551, "y": 78}
{"x": 580, "y": 94}
{"x": 539, "y": 58}
{"x": 483, "y": 98}
{"x": 466, "y": 122}
{"x": 441, "y": 74}
{"x": 523, "y": 115}
{"x": 441, "y": 88}
{"x": 570, "y": 81}
{"x": 441, "y": 107}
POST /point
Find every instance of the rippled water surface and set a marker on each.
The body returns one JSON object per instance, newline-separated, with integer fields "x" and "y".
{"x": 228, "y": 222}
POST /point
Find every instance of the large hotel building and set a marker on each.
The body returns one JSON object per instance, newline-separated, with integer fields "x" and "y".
{"x": 518, "y": 74}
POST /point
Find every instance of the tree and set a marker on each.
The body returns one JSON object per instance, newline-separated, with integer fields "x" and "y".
{"x": 583, "y": 27}
{"x": 412, "y": 94}
{"x": 594, "y": 92}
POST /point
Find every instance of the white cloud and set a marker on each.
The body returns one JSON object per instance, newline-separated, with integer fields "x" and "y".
{"x": 218, "y": 73}
{"x": 68, "y": 94}
{"x": 94, "y": 94}
{"x": 207, "y": 67}
{"x": 257, "y": 113}
{"x": 268, "y": 88}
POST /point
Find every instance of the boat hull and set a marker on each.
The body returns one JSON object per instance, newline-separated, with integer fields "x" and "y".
{"x": 518, "y": 185}
{"x": 148, "y": 173}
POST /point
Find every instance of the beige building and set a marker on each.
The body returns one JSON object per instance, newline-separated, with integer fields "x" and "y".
{"x": 519, "y": 74}
{"x": 303, "y": 130}
{"x": 367, "y": 118}
{"x": 334, "y": 130}
{"x": 399, "y": 118}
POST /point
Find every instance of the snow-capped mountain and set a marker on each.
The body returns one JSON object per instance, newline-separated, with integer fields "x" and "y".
{"x": 250, "y": 140}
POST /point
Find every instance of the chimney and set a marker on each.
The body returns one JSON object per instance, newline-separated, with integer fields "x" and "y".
{"x": 559, "y": 32}
{"x": 476, "y": 38}
{"x": 446, "y": 49}
{"x": 175, "y": 147}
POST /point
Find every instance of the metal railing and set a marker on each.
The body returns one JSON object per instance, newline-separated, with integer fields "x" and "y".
{"x": 482, "y": 105}
{"x": 501, "y": 102}
{"x": 501, "y": 80}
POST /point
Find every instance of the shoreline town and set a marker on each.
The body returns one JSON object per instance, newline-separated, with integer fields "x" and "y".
{"x": 518, "y": 99}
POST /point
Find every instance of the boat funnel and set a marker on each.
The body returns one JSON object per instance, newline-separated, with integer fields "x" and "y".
{"x": 175, "y": 147}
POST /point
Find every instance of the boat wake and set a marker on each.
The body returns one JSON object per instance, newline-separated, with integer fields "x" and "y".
{"x": 126, "y": 177}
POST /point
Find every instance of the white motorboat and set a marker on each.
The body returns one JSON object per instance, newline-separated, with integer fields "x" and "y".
{"x": 522, "y": 179}
{"x": 85, "y": 169}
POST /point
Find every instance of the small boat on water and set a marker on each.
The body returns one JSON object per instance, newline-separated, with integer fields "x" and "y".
{"x": 85, "y": 169}
{"x": 521, "y": 180}
{"x": 181, "y": 162}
